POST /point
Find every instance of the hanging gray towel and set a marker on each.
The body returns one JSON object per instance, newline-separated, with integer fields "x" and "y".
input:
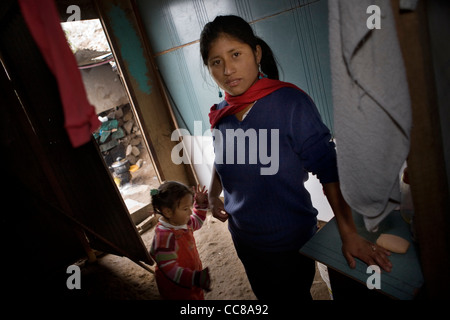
{"x": 372, "y": 109}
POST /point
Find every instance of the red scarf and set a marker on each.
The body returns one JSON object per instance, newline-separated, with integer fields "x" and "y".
{"x": 258, "y": 90}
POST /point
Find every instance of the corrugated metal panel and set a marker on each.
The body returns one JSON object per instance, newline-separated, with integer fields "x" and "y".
{"x": 297, "y": 32}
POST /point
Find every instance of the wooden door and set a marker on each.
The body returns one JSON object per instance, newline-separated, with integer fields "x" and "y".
{"x": 74, "y": 198}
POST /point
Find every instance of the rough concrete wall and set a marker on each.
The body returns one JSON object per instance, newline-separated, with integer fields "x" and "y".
{"x": 104, "y": 88}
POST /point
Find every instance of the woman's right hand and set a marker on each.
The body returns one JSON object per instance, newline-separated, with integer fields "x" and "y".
{"x": 217, "y": 209}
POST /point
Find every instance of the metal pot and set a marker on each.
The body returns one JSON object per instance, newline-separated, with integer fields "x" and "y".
{"x": 121, "y": 165}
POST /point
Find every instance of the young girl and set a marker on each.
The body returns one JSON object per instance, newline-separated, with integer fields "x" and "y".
{"x": 270, "y": 217}
{"x": 179, "y": 272}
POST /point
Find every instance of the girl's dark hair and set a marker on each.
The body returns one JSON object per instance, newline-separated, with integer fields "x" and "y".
{"x": 237, "y": 28}
{"x": 169, "y": 195}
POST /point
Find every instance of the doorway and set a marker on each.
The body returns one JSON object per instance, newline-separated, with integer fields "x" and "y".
{"x": 120, "y": 138}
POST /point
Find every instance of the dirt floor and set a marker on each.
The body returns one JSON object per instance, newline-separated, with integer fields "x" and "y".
{"x": 113, "y": 277}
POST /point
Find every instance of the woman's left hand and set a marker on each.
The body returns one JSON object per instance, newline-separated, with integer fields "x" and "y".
{"x": 355, "y": 246}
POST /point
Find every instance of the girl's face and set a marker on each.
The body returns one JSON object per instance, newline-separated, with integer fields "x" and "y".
{"x": 181, "y": 214}
{"x": 233, "y": 64}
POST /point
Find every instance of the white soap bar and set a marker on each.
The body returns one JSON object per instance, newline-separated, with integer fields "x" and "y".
{"x": 393, "y": 243}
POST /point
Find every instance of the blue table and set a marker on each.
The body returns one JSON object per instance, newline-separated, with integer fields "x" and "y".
{"x": 405, "y": 278}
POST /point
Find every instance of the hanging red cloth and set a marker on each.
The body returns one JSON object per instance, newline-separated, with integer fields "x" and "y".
{"x": 42, "y": 19}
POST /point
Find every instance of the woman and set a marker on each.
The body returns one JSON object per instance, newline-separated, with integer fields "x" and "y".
{"x": 270, "y": 215}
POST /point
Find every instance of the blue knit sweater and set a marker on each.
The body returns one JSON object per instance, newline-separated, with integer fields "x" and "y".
{"x": 269, "y": 207}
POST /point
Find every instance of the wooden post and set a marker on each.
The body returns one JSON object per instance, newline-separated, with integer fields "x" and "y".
{"x": 426, "y": 163}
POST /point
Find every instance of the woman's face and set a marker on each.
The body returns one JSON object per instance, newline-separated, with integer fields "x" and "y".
{"x": 233, "y": 64}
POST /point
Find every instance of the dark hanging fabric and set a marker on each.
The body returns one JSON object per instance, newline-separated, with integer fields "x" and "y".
{"x": 42, "y": 19}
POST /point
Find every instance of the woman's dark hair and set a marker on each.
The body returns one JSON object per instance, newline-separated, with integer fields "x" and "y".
{"x": 237, "y": 28}
{"x": 169, "y": 195}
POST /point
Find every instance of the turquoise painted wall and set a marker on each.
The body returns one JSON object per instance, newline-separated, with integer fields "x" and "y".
{"x": 297, "y": 32}
{"x": 130, "y": 48}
